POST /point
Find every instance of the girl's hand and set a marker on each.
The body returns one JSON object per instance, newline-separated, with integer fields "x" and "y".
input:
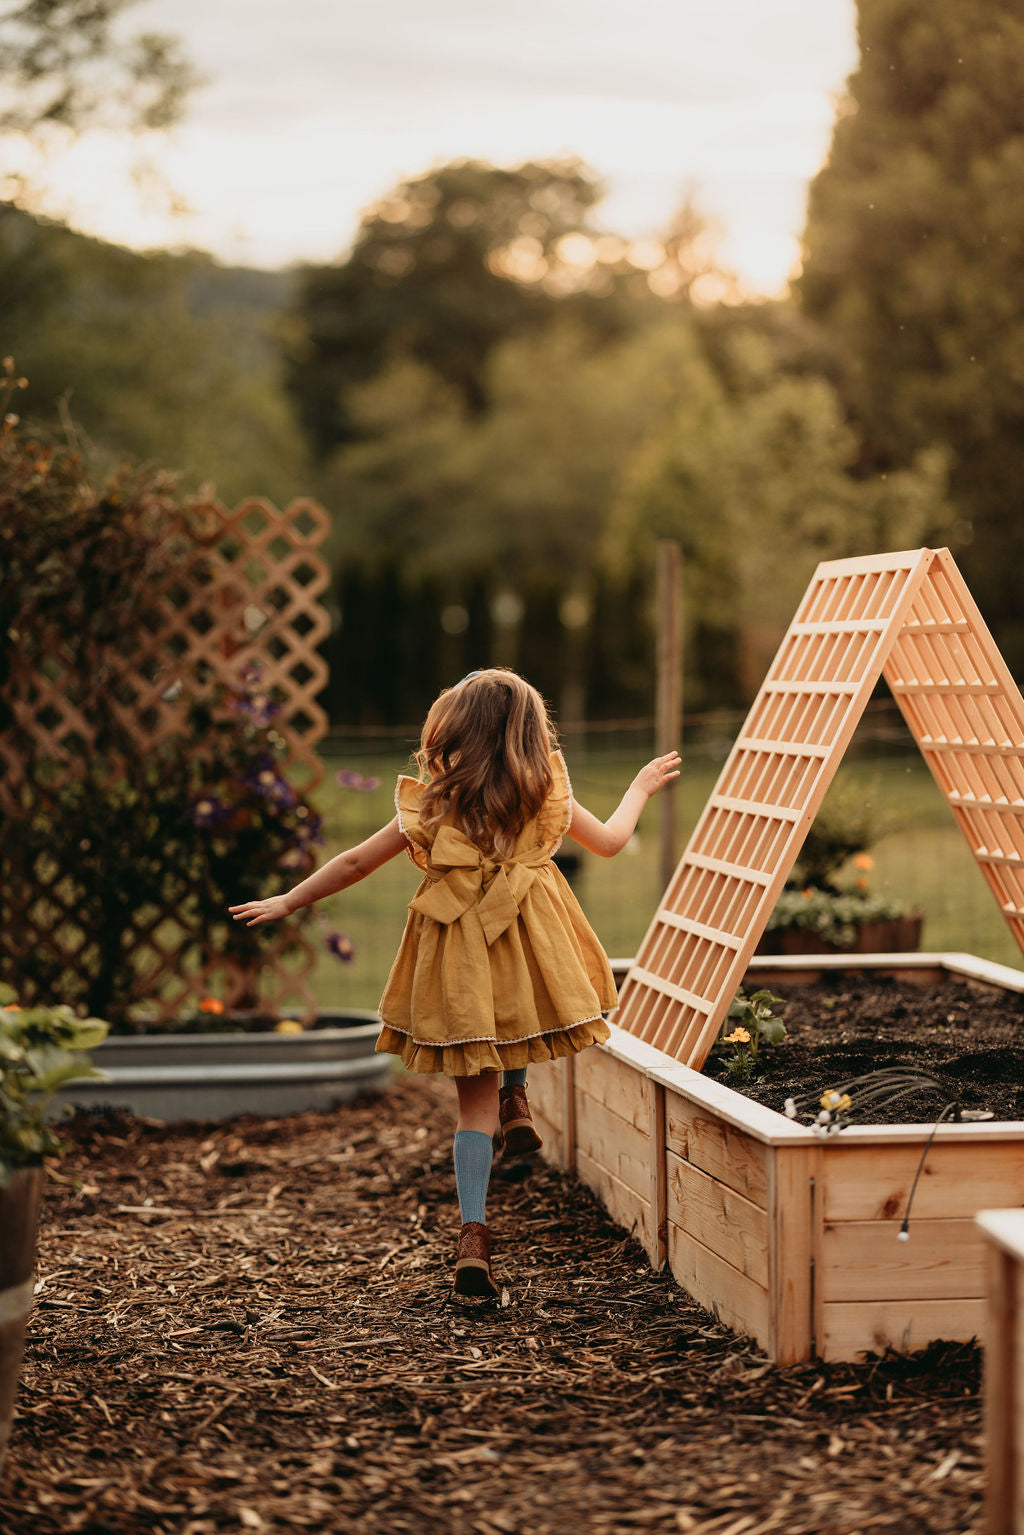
{"x": 254, "y": 913}
{"x": 658, "y": 773}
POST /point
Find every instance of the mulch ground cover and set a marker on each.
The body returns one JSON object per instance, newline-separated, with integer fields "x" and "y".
{"x": 968, "y": 1036}
{"x": 250, "y": 1326}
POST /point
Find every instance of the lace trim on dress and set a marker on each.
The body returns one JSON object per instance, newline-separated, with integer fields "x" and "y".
{"x": 489, "y": 1039}
{"x": 568, "y": 803}
{"x": 398, "y": 811}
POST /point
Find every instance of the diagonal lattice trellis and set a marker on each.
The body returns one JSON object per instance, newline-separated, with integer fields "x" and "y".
{"x": 229, "y": 588}
{"x": 907, "y": 616}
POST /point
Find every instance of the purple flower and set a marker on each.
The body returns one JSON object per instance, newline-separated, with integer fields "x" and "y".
{"x": 349, "y": 779}
{"x": 209, "y": 810}
{"x": 309, "y": 828}
{"x": 341, "y": 947}
{"x": 259, "y": 708}
{"x": 267, "y": 781}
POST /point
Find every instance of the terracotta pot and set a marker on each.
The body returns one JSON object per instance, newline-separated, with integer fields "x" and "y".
{"x": 19, "y": 1211}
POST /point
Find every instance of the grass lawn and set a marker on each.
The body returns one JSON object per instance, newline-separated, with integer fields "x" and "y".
{"x": 923, "y": 859}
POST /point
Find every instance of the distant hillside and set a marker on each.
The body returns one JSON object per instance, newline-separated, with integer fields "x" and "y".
{"x": 164, "y": 356}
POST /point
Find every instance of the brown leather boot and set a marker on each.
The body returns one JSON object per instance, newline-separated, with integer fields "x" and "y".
{"x": 473, "y": 1261}
{"x": 518, "y": 1133}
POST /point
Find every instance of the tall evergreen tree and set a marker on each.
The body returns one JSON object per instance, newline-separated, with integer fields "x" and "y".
{"x": 914, "y": 249}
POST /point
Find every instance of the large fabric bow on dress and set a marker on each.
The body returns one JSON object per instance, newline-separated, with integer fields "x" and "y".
{"x": 461, "y": 877}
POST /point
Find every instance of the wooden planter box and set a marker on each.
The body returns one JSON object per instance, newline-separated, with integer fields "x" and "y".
{"x": 19, "y": 1214}
{"x": 898, "y": 935}
{"x": 1003, "y": 1231}
{"x": 787, "y": 1236}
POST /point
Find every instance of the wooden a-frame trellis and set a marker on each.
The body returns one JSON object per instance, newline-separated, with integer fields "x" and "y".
{"x": 910, "y": 618}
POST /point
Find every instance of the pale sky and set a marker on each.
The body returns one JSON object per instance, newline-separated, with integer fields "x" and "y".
{"x": 314, "y": 109}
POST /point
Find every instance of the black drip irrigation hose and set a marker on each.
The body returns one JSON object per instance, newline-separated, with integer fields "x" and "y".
{"x": 877, "y": 1090}
{"x": 903, "y": 1235}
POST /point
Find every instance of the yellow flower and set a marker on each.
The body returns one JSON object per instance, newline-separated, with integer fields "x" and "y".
{"x": 288, "y": 1026}
{"x": 738, "y": 1037}
{"x": 864, "y": 861}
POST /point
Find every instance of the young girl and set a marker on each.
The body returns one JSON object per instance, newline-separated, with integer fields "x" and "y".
{"x": 498, "y": 967}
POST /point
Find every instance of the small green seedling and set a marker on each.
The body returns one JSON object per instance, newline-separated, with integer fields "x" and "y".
{"x": 753, "y": 1023}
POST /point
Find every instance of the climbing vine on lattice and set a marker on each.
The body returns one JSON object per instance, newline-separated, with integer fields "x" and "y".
{"x": 158, "y": 732}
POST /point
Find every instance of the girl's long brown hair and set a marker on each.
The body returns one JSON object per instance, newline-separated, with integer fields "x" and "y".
{"x": 484, "y": 754}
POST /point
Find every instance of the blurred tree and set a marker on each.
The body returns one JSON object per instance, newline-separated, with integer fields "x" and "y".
{"x": 443, "y": 268}
{"x": 65, "y": 64}
{"x": 754, "y": 482}
{"x": 913, "y": 265}
{"x": 167, "y": 358}
{"x": 449, "y": 265}
{"x": 527, "y": 487}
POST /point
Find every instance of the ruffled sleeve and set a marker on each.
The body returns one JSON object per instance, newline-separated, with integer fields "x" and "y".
{"x": 556, "y": 812}
{"x": 408, "y": 793}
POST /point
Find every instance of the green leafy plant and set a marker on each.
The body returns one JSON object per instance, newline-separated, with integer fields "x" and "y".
{"x": 754, "y": 1023}
{"x": 205, "y": 818}
{"x": 41, "y": 1048}
{"x": 120, "y": 852}
{"x": 835, "y": 916}
{"x": 846, "y": 826}
{"x": 829, "y": 892}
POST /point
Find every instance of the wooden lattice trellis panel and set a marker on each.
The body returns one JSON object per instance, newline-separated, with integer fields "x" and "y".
{"x": 910, "y": 617}
{"x": 230, "y": 588}
{"x": 966, "y": 713}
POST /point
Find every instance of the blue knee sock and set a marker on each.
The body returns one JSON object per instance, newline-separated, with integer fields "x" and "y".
{"x": 473, "y": 1153}
{"x": 514, "y": 1078}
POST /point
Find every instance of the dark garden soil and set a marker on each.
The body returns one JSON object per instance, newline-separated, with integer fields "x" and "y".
{"x": 250, "y": 1327}
{"x": 969, "y": 1036}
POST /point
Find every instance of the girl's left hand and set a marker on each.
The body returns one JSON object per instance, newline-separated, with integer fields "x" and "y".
{"x": 658, "y": 773}
{"x": 254, "y": 913}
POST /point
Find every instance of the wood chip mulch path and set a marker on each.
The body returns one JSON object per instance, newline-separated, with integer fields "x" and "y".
{"x": 250, "y": 1326}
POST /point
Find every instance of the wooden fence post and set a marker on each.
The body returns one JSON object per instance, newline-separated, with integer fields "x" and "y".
{"x": 669, "y": 703}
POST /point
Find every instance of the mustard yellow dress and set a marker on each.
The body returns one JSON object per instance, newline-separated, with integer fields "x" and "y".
{"x": 498, "y": 967}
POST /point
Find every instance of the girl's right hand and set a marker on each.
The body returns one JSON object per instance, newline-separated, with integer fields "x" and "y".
{"x": 254, "y": 913}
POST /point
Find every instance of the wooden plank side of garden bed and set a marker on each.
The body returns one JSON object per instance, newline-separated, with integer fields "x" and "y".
{"x": 863, "y": 1261}
{"x": 872, "y": 1182}
{"x": 618, "y": 1086}
{"x": 618, "y": 1120}
{"x": 625, "y": 1206}
{"x": 719, "y": 1218}
{"x": 548, "y": 1104}
{"x": 853, "y": 1328}
{"x": 1003, "y": 1234}
{"x": 698, "y": 1136}
{"x": 613, "y": 1143}
{"x": 734, "y": 1298}
{"x": 794, "y": 1251}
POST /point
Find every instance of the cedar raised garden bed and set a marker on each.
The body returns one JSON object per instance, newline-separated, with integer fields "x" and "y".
{"x": 788, "y": 1236}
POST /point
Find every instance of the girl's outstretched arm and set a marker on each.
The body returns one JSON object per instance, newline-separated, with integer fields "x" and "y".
{"x": 344, "y": 870}
{"x": 609, "y": 837}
